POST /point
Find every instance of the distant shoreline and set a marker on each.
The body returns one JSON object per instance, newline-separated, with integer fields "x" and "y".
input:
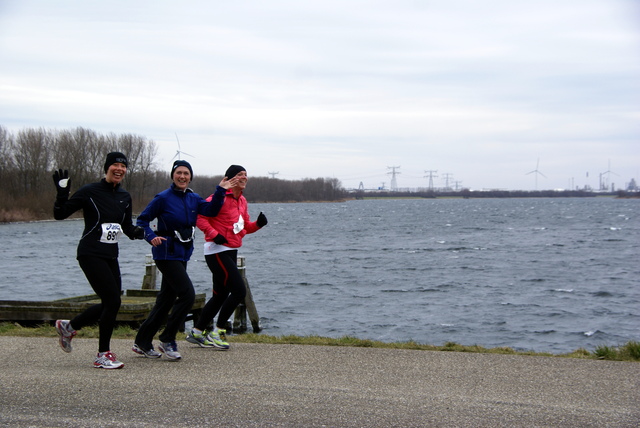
{"x": 17, "y": 216}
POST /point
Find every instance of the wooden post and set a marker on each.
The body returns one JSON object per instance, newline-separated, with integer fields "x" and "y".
{"x": 246, "y": 307}
{"x": 150, "y": 274}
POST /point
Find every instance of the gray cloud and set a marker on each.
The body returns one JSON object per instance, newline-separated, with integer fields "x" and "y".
{"x": 341, "y": 89}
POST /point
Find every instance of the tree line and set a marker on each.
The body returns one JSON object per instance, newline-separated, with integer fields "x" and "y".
{"x": 28, "y": 158}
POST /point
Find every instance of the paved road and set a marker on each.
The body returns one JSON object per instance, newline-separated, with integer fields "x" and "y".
{"x": 257, "y": 385}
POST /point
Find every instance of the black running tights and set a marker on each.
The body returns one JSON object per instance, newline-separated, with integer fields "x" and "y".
{"x": 173, "y": 303}
{"x": 228, "y": 289}
{"x": 104, "y": 277}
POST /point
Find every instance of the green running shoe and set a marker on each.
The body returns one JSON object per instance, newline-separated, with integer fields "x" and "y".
{"x": 199, "y": 339}
{"x": 217, "y": 339}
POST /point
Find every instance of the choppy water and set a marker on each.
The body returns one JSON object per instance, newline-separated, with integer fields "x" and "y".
{"x": 539, "y": 274}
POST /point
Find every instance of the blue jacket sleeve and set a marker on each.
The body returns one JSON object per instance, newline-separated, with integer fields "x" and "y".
{"x": 145, "y": 217}
{"x": 211, "y": 209}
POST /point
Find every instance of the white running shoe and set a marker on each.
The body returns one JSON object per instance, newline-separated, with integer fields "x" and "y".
{"x": 149, "y": 353}
{"x": 170, "y": 349}
{"x": 66, "y": 333}
{"x": 107, "y": 360}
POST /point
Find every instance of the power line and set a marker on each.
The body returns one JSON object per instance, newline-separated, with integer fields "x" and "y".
{"x": 394, "y": 184}
{"x": 431, "y": 177}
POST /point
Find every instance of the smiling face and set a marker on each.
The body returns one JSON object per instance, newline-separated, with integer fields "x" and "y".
{"x": 242, "y": 180}
{"x": 181, "y": 177}
{"x": 115, "y": 173}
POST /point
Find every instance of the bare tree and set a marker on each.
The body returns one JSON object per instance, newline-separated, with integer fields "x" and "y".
{"x": 141, "y": 155}
{"x": 27, "y": 160}
{"x": 32, "y": 157}
{"x": 78, "y": 151}
{"x": 6, "y": 161}
{"x": 108, "y": 143}
{"x": 264, "y": 189}
{"x": 146, "y": 169}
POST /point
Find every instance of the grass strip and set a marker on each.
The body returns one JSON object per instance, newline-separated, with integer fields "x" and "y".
{"x": 627, "y": 352}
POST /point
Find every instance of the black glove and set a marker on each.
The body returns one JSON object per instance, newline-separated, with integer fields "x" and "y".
{"x": 138, "y": 232}
{"x": 220, "y": 240}
{"x": 61, "y": 180}
{"x": 262, "y": 220}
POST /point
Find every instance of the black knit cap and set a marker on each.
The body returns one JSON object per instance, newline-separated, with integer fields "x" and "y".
{"x": 178, "y": 163}
{"x": 233, "y": 170}
{"x": 115, "y": 157}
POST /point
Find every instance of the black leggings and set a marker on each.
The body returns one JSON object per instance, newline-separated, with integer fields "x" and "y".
{"x": 176, "y": 291}
{"x": 104, "y": 277}
{"x": 228, "y": 289}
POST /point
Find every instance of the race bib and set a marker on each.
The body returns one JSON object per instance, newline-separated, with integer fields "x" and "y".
{"x": 239, "y": 226}
{"x": 110, "y": 233}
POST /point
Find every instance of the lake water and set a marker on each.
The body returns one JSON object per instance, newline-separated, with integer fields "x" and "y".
{"x": 549, "y": 275}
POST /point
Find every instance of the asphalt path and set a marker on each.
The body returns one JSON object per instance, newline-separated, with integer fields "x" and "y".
{"x": 259, "y": 385}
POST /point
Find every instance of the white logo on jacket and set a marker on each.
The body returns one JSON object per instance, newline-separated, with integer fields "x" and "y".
{"x": 239, "y": 226}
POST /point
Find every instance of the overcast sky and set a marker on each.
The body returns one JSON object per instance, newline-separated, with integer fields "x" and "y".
{"x": 477, "y": 91}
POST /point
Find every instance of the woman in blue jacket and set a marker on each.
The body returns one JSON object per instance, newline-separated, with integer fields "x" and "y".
{"x": 176, "y": 210}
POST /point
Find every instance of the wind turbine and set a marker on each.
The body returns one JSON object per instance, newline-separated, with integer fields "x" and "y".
{"x": 604, "y": 182}
{"x": 179, "y": 152}
{"x": 536, "y": 172}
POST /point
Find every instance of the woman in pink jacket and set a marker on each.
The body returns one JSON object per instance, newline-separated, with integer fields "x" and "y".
{"x": 223, "y": 235}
